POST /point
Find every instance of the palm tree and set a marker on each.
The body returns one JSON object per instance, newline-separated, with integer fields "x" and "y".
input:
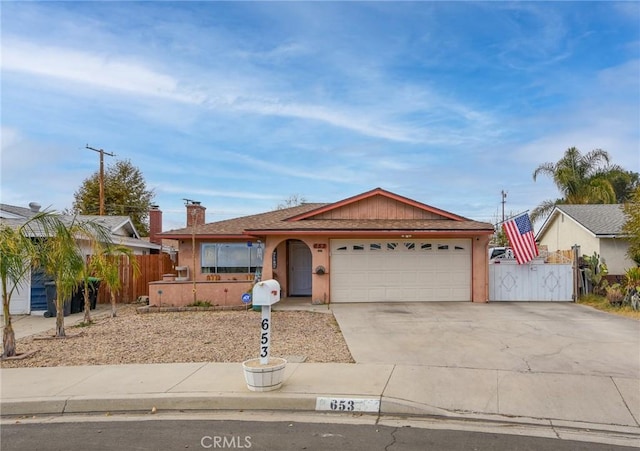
{"x": 582, "y": 179}
{"x": 104, "y": 265}
{"x": 61, "y": 255}
{"x": 18, "y": 254}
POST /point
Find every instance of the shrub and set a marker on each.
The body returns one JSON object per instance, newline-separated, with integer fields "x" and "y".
{"x": 595, "y": 271}
{"x": 614, "y": 294}
{"x": 632, "y": 288}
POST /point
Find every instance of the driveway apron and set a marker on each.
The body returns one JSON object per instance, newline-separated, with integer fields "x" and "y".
{"x": 520, "y": 336}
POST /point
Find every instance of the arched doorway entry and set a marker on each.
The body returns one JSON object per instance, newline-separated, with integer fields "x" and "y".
{"x": 299, "y": 268}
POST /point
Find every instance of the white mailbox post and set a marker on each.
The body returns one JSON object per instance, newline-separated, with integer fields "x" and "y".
{"x": 265, "y": 294}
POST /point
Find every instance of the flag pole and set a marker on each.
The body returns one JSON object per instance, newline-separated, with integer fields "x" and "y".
{"x": 511, "y": 217}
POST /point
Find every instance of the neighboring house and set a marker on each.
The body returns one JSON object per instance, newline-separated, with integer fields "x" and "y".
{"x": 373, "y": 247}
{"x": 595, "y": 228}
{"x": 31, "y": 297}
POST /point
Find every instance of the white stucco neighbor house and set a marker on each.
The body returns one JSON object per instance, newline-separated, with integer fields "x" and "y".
{"x": 594, "y": 227}
{"x": 30, "y": 298}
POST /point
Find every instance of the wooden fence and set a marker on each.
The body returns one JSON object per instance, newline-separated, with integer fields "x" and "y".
{"x": 151, "y": 268}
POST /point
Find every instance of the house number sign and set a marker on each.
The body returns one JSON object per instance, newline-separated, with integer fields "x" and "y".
{"x": 348, "y": 404}
{"x": 265, "y": 337}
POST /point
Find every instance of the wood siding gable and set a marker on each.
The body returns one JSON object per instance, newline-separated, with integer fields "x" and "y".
{"x": 378, "y": 207}
{"x": 378, "y": 204}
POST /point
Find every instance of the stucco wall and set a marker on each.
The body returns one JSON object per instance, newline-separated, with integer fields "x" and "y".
{"x": 178, "y": 294}
{"x": 480, "y": 270}
{"x": 562, "y": 235}
{"x": 614, "y": 253}
{"x": 320, "y": 257}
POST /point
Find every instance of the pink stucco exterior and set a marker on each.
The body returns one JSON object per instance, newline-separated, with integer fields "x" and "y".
{"x": 179, "y": 294}
{"x": 377, "y": 214}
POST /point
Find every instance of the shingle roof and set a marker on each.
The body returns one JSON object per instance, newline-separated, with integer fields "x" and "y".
{"x": 275, "y": 221}
{"x": 600, "y": 219}
{"x": 236, "y": 226}
{"x": 14, "y": 210}
{"x": 113, "y": 223}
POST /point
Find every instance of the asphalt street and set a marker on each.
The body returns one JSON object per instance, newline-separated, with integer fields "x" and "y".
{"x": 158, "y": 434}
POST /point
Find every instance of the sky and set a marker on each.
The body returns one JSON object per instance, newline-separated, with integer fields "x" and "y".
{"x": 241, "y": 105}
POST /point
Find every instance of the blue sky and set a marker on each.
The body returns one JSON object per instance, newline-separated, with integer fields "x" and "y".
{"x": 240, "y": 105}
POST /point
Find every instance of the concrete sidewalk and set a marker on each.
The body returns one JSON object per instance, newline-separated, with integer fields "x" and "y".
{"x": 543, "y": 399}
{"x": 27, "y": 325}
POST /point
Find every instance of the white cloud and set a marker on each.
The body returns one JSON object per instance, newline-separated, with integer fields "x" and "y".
{"x": 380, "y": 116}
{"x": 100, "y": 70}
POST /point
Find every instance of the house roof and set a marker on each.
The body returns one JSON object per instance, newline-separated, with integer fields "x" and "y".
{"x": 122, "y": 228}
{"x": 315, "y": 218}
{"x": 114, "y": 223}
{"x": 602, "y": 220}
{"x": 14, "y": 212}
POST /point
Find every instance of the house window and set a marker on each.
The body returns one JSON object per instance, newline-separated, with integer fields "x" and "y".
{"x": 443, "y": 247}
{"x": 358, "y": 247}
{"x": 342, "y": 248}
{"x": 392, "y": 246}
{"x": 230, "y": 257}
{"x": 426, "y": 246}
{"x": 410, "y": 245}
{"x": 375, "y": 246}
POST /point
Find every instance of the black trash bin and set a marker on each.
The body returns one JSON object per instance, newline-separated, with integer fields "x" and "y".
{"x": 77, "y": 300}
{"x": 52, "y": 294}
{"x": 94, "y": 286}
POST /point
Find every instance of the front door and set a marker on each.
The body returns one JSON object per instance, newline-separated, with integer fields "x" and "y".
{"x": 299, "y": 269}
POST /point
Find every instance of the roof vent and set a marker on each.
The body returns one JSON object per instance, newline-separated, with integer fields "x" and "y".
{"x": 34, "y": 206}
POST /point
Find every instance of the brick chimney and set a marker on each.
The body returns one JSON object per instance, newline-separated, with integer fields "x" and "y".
{"x": 155, "y": 224}
{"x": 195, "y": 213}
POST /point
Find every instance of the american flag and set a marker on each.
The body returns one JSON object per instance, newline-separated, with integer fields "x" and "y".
{"x": 520, "y": 235}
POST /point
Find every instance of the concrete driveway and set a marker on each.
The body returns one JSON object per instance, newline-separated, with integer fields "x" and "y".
{"x": 524, "y": 336}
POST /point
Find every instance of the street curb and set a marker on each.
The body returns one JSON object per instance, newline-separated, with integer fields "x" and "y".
{"x": 161, "y": 401}
{"x": 302, "y": 403}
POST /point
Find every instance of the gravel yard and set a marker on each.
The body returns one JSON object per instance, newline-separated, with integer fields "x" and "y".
{"x": 204, "y": 336}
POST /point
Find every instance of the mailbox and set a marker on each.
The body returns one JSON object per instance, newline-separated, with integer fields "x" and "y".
{"x": 266, "y": 292}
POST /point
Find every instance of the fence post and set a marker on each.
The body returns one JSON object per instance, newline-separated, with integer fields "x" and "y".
{"x": 576, "y": 272}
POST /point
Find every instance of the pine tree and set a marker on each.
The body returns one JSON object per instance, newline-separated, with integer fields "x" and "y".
{"x": 125, "y": 194}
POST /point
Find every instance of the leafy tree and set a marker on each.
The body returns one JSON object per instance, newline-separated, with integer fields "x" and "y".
{"x": 582, "y": 179}
{"x": 18, "y": 253}
{"x": 624, "y": 183}
{"x": 632, "y": 225}
{"x": 125, "y": 193}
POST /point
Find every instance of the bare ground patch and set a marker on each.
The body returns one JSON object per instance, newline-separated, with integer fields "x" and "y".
{"x": 175, "y": 337}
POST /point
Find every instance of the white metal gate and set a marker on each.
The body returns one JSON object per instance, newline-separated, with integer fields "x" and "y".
{"x": 534, "y": 281}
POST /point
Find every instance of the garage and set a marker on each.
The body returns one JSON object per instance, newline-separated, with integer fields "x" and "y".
{"x": 400, "y": 270}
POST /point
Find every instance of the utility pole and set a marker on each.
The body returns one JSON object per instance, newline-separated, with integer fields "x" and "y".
{"x": 504, "y": 201}
{"x": 101, "y": 182}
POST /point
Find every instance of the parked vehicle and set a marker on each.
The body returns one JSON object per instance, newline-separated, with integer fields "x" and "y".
{"x": 499, "y": 252}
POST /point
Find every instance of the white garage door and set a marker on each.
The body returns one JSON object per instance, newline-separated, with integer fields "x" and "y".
{"x": 400, "y": 270}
